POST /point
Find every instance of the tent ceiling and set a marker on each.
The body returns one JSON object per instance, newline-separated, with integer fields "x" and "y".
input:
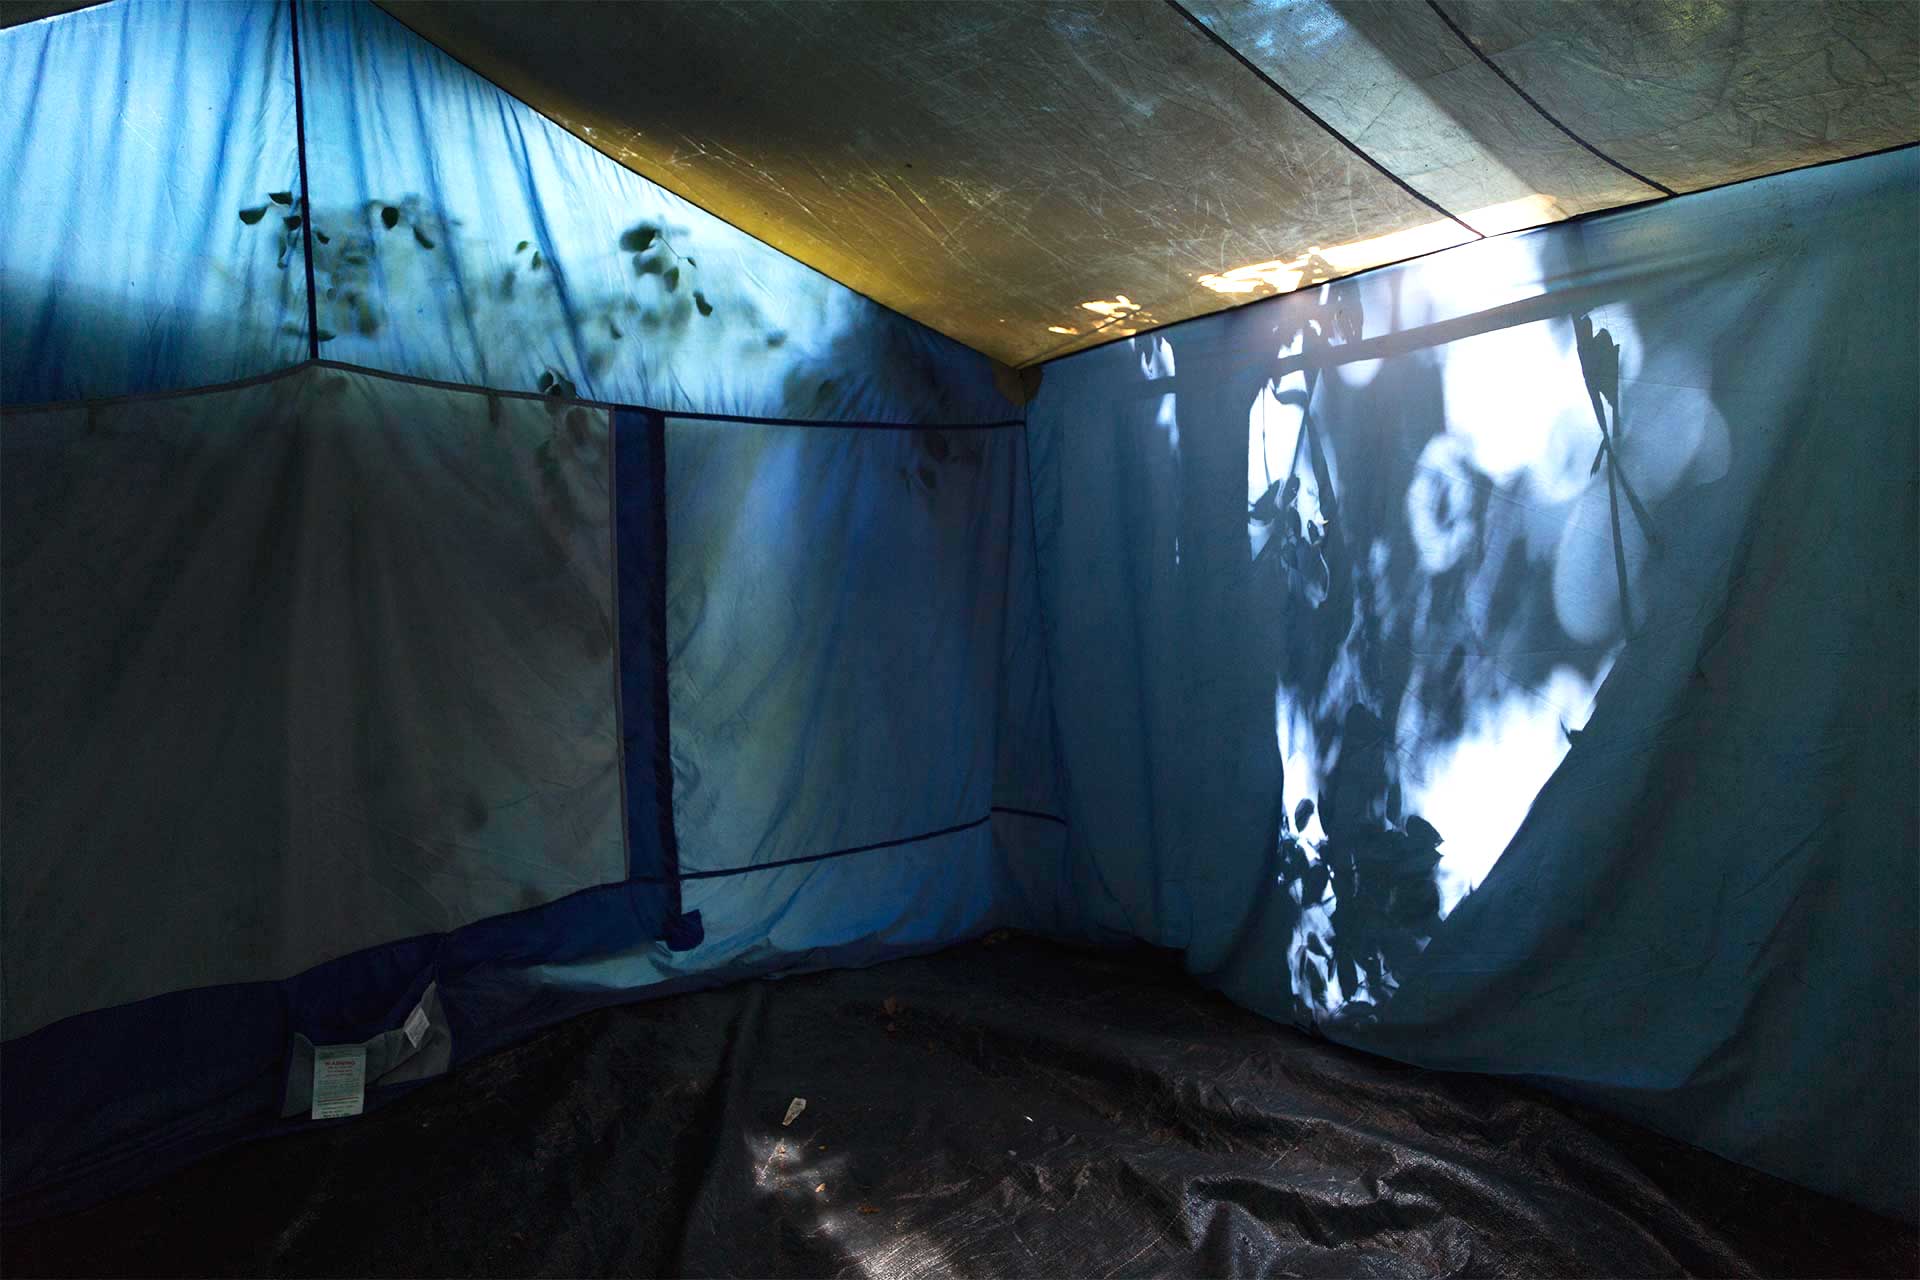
{"x": 987, "y": 169}
{"x": 1032, "y": 178}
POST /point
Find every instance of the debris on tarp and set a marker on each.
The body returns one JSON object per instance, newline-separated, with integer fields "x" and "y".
{"x": 794, "y": 1109}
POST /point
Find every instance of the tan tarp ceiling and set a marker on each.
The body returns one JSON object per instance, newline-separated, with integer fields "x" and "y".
{"x": 1033, "y": 177}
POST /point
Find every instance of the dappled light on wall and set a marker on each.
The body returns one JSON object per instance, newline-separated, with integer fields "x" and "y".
{"x": 1451, "y": 547}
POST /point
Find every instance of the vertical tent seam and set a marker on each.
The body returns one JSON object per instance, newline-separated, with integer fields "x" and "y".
{"x": 1528, "y": 98}
{"x": 1308, "y": 112}
{"x": 662, "y": 694}
{"x": 619, "y": 675}
{"x": 637, "y": 455}
{"x": 306, "y": 196}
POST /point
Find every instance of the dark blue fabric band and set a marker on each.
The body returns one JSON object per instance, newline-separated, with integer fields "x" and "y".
{"x": 640, "y": 533}
{"x": 97, "y": 1101}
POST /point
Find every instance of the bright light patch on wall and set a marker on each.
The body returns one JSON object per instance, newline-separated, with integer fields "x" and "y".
{"x": 1449, "y": 578}
{"x": 1283, "y": 275}
{"x": 1535, "y": 210}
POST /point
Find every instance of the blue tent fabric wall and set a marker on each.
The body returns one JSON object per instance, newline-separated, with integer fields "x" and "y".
{"x": 1522, "y": 654}
{"x": 473, "y": 580}
{"x": 126, "y": 268}
{"x": 456, "y": 235}
{"x": 473, "y": 241}
{"x": 378, "y": 643}
{"x": 296, "y": 619}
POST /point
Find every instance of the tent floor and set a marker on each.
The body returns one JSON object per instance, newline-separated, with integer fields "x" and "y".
{"x": 1012, "y": 1107}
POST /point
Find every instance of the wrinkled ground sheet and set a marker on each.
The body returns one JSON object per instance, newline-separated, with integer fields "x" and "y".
{"x": 1010, "y": 1107}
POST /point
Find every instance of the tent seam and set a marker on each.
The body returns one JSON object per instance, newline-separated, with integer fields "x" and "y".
{"x": 306, "y": 196}
{"x": 1309, "y": 113}
{"x": 472, "y": 388}
{"x": 420, "y": 939}
{"x": 1529, "y": 99}
{"x": 958, "y": 827}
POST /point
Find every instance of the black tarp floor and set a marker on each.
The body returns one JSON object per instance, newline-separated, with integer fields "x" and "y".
{"x": 1008, "y": 1107}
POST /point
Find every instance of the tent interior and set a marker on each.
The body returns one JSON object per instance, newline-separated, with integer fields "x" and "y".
{"x": 1056, "y": 637}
